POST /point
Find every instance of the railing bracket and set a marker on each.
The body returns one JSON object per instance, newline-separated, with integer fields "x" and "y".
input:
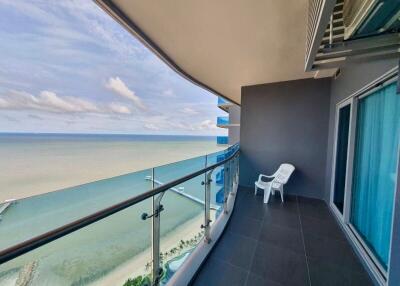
{"x": 145, "y": 216}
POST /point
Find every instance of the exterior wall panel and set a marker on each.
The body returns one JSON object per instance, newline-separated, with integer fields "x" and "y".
{"x": 286, "y": 122}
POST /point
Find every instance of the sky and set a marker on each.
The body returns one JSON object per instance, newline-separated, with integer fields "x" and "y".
{"x": 67, "y": 66}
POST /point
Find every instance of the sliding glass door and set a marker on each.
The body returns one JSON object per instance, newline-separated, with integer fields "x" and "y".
{"x": 374, "y": 169}
{"x": 342, "y": 140}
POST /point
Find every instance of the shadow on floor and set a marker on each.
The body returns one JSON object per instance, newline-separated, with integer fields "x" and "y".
{"x": 295, "y": 243}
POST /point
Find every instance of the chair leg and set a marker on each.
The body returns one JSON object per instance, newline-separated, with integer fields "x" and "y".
{"x": 255, "y": 190}
{"x": 281, "y": 191}
{"x": 267, "y": 195}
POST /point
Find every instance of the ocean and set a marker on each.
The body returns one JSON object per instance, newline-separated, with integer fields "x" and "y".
{"x": 57, "y": 178}
{"x": 33, "y": 164}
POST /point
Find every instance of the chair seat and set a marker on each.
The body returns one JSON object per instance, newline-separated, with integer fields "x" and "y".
{"x": 262, "y": 185}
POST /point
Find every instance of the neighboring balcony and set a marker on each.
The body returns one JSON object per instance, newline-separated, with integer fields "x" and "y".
{"x": 224, "y": 104}
{"x": 223, "y": 121}
{"x": 222, "y": 140}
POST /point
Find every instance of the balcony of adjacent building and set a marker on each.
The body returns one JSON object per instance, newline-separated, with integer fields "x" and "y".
{"x": 222, "y": 140}
{"x": 224, "y": 104}
{"x": 223, "y": 121}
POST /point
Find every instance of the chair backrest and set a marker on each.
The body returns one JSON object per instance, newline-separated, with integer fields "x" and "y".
{"x": 284, "y": 172}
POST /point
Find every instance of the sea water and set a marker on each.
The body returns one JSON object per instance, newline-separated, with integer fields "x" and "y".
{"x": 33, "y": 166}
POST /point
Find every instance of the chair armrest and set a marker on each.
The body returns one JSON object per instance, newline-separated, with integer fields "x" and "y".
{"x": 264, "y": 176}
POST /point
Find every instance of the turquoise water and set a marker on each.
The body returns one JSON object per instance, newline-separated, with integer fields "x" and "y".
{"x": 87, "y": 255}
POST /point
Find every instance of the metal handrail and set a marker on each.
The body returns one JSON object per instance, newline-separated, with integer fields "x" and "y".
{"x": 47, "y": 237}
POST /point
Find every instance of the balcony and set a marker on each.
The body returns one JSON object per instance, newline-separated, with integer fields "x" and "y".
{"x": 295, "y": 243}
{"x": 222, "y": 140}
{"x": 223, "y": 121}
{"x": 223, "y": 103}
{"x": 140, "y": 226}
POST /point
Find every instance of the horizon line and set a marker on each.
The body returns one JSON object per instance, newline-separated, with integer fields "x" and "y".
{"x": 84, "y": 133}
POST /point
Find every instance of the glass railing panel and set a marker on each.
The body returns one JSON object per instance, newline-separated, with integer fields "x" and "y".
{"x": 216, "y": 157}
{"x": 222, "y": 140}
{"x": 181, "y": 230}
{"x": 222, "y": 101}
{"x": 171, "y": 172}
{"x": 217, "y": 192}
{"x": 27, "y": 218}
{"x": 108, "y": 252}
{"x": 222, "y": 120}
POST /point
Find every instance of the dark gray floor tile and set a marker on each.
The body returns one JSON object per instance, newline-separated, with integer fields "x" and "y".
{"x": 285, "y": 237}
{"x": 244, "y": 225}
{"x": 326, "y": 273}
{"x": 217, "y": 273}
{"x": 360, "y": 279}
{"x": 327, "y": 227}
{"x": 251, "y": 207}
{"x": 235, "y": 249}
{"x": 323, "y": 273}
{"x": 289, "y": 204}
{"x": 332, "y": 250}
{"x": 281, "y": 217}
{"x": 256, "y": 280}
{"x": 280, "y": 265}
{"x": 314, "y": 208}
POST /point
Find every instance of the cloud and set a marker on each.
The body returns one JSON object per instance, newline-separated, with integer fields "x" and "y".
{"x": 119, "y": 87}
{"x": 49, "y": 101}
{"x": 189, "y": 111}
{"x": 207, "y": 125}
{"x": 34, "y": 116}
{"x": 168, "y": 93}
{"x": 119, "y": 108}
{"x": 151, "y": 126}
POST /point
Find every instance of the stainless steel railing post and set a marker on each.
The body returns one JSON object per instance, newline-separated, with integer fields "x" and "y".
{"x": 226, "y": 187}
{"x": 155, "y": 242}
{"x": 207, "y": 209}
{"x": 157, "y": 269}
{"x": 232, "y": 175}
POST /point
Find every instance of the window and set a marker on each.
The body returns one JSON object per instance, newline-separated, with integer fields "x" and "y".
{"x": 365, "y": 170}
{"x": 374, "y": 169}
{"x": 343, "y": 125}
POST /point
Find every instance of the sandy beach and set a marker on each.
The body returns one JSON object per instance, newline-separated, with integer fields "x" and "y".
{"x": 136, "y": 266}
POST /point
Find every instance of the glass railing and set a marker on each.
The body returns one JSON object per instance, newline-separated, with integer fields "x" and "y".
{"x": 222, "y": 140}
{"x": 102, "y": 233}
{"x": 222, "y": 120}
{"x": 222, "y": 101}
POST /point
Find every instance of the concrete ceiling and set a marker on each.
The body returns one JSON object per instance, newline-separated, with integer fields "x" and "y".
{"x": 223, "y": 44}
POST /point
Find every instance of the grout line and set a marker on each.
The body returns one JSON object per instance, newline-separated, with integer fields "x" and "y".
{"x": 302, "y": 238}
{"x": 255, "y": 249}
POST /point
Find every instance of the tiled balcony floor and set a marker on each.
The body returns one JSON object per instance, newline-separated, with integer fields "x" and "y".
{"x": 295, "y": 243}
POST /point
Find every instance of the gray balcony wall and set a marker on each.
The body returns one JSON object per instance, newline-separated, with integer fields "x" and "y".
{"x": 234, "y": 118}
{"x": 286, "y": 122}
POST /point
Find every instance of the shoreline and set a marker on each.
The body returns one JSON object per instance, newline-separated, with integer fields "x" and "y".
{"x": 136, "y": 265}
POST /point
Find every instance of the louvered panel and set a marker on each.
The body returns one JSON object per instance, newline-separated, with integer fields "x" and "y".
{"x": 319, "y": 12}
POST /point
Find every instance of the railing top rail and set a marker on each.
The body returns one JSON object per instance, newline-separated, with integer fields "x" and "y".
{"x": 47, "y": 237}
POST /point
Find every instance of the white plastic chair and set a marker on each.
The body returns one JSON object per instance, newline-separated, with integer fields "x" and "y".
{"x": 279, "y": 178}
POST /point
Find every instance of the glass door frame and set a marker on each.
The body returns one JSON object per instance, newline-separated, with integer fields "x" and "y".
{"x": 378, "y": 271}
{"x": 344, "y": 217}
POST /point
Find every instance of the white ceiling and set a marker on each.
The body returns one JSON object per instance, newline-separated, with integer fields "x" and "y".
{"x": 227, "y": 44}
